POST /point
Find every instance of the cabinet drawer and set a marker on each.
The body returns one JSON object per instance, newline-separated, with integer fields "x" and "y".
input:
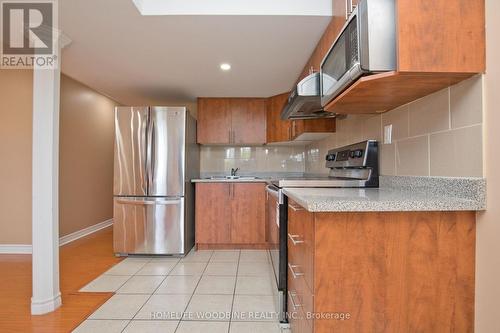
{"x": 301, "y": 294}
{"x": 301, "y": 241}
{"x": 297, "y": 319}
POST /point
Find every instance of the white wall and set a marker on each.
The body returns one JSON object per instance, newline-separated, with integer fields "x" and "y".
{"x": 488, "y": 223}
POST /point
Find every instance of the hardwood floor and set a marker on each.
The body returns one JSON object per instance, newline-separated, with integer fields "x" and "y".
{"x": 80, "y": 262}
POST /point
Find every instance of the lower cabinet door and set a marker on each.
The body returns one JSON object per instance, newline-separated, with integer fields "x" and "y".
{"x": 148, "y": 225}
{"x": 248, "y": 213}
{"x": 213, "y": 213}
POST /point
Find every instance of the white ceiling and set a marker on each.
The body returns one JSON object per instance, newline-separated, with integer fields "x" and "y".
{"x": 234, "y": 7}
{"x": 139, "y": 59}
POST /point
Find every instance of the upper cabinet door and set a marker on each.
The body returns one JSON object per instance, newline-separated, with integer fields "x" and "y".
{"x": 248, "y": 120}
{"x": 214, "y": 121}
{"x": 277, "y": 130}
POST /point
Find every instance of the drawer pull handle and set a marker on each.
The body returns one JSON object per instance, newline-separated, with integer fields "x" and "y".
{"x": 295, "y": 208}
{"x": 292, "y": 295}
{"x": 295, "y": 240}
{"x": 294, "y": 273}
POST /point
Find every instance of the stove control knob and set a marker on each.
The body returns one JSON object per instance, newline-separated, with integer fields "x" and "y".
{"x": 352, "y": 154}
{"x": 330, "y": 157}
{"x": 358, "y": 153}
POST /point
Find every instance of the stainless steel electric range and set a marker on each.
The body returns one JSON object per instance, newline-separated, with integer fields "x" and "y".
{"x": 354, "y": 166}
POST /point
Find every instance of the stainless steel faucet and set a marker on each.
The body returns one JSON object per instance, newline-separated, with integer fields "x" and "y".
{"x": 234, "y": 171}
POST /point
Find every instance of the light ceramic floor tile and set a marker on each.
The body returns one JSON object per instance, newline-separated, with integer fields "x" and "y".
{"x": 164, "y": 307}
{"x": 101, "y": 326}
{"x": 256, "y": 285}
{"x": 141, "y": 285}
{"x": 203, "y": 327}
{"x": 255, "y": 269}
{"x": 216, "y": 285}
{"x": 225, "y": 256}
{"x": 126, "y": 267}
{"x": 106, "y": 283}
{"x": 165, "y": 259}
{"x": 151, "y": 326}
{"x": 255, "y": 308}
{"x": 254, "y": 256}
{"x": 221, "y": 268}
{"x": 209, "y": 307}
{"x": 157, "y": 268}
{"x": 145, "y": 259}
{"x": 120, "y": 307}
{"x": 252, "y": 327}
{"x": 189, "y": 268}
{"x": 178, "y": 284}
{"x": 197, "y": 256}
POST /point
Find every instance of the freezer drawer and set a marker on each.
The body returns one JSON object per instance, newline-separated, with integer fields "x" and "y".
{"x": 148, "y": 226}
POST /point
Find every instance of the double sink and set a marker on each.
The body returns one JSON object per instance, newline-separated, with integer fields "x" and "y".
{"x": 232, "y": 177}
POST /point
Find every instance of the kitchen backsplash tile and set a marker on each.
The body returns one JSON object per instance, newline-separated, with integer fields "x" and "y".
{"x": 457, "y": 152}
{"x": 399, "y": 118}
{"x": 466, "y": 100}
{"x": 217, "y": 159}
{"x": 429, "y": 135}
{"x": 387, "y": 159}
{"x": 430, "y": 114}
{"x": 412, "y": 156}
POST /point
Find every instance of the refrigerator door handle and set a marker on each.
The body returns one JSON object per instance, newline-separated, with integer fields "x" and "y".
{"x": 149, "y": 159}
{"x": 148, "y": 202}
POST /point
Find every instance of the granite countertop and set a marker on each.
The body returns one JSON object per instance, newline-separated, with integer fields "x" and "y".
{"x": 397, "y": 194}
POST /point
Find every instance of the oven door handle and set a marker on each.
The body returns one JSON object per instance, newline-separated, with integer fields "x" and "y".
{"x": 272, "y": 190}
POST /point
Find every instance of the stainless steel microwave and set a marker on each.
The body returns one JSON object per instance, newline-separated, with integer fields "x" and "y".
{"x": 366, "y": 45}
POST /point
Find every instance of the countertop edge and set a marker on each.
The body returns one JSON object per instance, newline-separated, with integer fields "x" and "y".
{"x": 446, "y": 204}
{"x": 229, "y": 180}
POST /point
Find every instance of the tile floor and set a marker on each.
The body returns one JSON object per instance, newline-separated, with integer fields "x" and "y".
{"x": 207, "y": 291}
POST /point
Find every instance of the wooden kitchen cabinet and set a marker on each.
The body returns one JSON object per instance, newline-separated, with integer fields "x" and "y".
{"x": 213, "y": 213}
{"x": 214, "y": 121}
{"x": 248, "y": 120}
{"x": 230, "y": 215}
{"x": 232, "y": 120}
{"x": 385, "y": 272}
{"x": 248, "y": 213}
{"x": 278, "y": 130}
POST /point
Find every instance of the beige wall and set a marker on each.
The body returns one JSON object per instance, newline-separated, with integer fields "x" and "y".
{"x": 86, "y": 157}
{"x": 438, "y": 135}
{"x": 217, "y": 159}
{"x": 488, "y": 223}
{"x": 16, "y": 89}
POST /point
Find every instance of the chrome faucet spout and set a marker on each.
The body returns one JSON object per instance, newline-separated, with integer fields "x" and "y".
{"x": 234, "y": 171}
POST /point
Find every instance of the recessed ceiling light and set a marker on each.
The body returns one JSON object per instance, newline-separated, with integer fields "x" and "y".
{"x": 225, "y": 66}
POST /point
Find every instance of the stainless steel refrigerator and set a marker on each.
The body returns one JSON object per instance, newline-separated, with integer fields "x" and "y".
{"x": 156, "y": 156}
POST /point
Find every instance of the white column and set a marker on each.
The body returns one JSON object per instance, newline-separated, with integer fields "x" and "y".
{"x": 45, "y": 232}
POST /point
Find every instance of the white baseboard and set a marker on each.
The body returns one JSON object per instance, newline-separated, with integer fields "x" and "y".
{"x": 15, "y": 248}
{"x": 41, "y": 307}
{"x": 26, "y": 248}
{"x": 84, "y": 232}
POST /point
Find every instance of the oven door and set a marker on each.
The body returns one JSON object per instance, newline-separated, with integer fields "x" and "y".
{"x": 341, "y": 65}
{"x": 277, "y": 210}
{"x": 273, "y": 227}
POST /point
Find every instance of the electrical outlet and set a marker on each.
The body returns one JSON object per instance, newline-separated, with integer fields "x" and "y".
{"x": 388, "y": 134}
